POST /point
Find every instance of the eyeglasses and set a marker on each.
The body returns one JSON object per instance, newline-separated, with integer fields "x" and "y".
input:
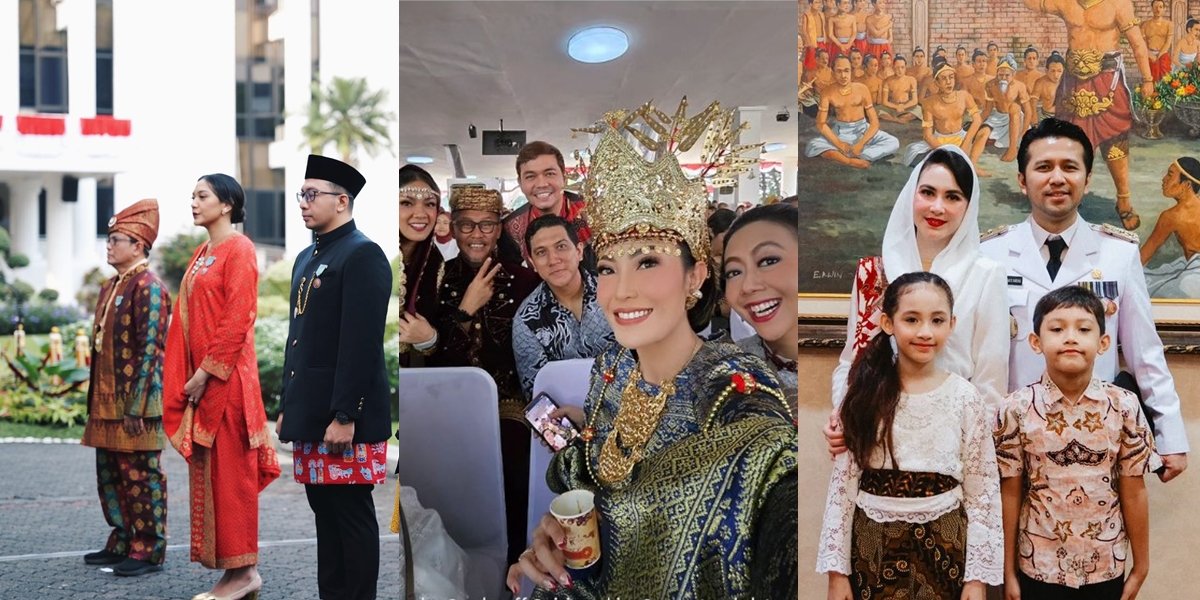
{"x": 310, "y": 195}
{"x": 113, "y": 240}
{"x": 467, "y": 225}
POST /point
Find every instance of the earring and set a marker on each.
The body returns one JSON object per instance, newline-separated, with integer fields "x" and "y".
{"x": 693, "y": 298}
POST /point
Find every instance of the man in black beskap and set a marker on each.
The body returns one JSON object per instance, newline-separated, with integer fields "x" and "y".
{"x": 335, "y": 387}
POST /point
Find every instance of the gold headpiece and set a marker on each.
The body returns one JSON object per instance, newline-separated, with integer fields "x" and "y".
{"x": 629, "y": 198}
{"x": 475, "y": 197}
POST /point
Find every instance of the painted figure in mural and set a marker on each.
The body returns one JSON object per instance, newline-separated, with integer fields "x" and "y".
{"x": 1179, "y": 278}
{"x": 993, "y": 54}
{"x": 920, "y": 67}
{"x": 1157, "y": 31}
{"x": 942, "y": 118}
{"x": 879, "y": 30}
{"x": 840, "y": 29}
{"x": 823, "y": 76}
{"x": 962, "y": 66}
{"x": 976, "y": 84}
{"x": 856, "y": 65}
{"x": 862, "y": 10}
{"x": 1009, "y": 109}
{"x": 854, "y": 139}
{"x": 871, "y": 77}
{"x": 1046, "y": 88}
{"x": 812, "y": 34}
{"x": 886, "y": 64}
{"x": 1094, "y": 94}
{"x": 1189, "y": 45}
{"x": 898, "y": 96}
{"x": 1030, "y": 74}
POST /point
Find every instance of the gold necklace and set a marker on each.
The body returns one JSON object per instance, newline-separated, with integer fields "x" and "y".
{"x": 637, "y": 419}
{"x": 846, "y": 90}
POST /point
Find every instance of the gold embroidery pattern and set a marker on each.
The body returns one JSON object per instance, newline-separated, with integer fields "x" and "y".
{"x": 1085, "y": 103}
{"x": 1115, "y": 153}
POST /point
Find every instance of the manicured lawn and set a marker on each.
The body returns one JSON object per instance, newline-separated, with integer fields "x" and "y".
{"x": 8, "y": 429}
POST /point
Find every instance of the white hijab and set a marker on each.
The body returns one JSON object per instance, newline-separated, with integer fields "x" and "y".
{"x": 954, "y": 262}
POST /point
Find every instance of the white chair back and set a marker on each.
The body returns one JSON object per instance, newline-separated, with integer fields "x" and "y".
{"x": 567, "y": 382}
{"x": 450, "y": 454}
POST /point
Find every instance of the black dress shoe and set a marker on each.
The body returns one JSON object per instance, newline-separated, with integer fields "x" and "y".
{"x": 132, "y": 567}
{"x": 103, "y": 557}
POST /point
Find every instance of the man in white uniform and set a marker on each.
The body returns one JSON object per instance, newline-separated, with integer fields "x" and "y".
{"x": 1055, "y": 247}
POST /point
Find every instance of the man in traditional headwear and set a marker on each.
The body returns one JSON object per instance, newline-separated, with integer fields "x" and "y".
{"x": 125, "y": 397}
{"x": 942, "y": 116}
{"x": 1093, "y": 93}
{"x": 336, "y": 395}
{"x": 477, "y": 300}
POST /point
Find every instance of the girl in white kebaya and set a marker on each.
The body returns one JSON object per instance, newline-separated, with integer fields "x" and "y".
{"x": 914, "y": 505}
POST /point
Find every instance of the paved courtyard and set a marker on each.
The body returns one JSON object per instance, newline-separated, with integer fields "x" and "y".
{"x": 50, "y": 516}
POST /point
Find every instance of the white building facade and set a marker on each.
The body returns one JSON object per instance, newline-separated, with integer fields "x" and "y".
{"x": 105, "y": 102}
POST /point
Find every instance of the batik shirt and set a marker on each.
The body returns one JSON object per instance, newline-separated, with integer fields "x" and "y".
{"x": 544, "y": 330}
{"x": 1070, "y": 454}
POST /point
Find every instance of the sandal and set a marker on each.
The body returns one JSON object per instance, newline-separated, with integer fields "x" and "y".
{"x": 1129, "y": 219}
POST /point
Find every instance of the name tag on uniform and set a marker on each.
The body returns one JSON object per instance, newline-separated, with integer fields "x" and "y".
{"x": 1016, "y": 280}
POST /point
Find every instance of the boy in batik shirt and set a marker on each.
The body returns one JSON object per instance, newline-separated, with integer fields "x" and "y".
{"x": 1072, "y": 452}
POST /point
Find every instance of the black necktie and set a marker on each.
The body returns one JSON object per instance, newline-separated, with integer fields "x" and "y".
{"x": 1056, "y": 246}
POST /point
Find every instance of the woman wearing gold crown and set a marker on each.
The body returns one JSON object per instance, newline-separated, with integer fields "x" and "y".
{"x": 688, "y": 446}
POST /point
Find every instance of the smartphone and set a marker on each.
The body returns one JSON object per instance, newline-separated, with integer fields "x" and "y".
{"x": 557, "y": 433}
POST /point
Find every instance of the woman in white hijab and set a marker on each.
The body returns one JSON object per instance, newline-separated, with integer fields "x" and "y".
{"x": 935, "y": 227}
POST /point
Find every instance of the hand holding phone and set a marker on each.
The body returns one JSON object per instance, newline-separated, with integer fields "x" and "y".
{"x": 555, "y": 432}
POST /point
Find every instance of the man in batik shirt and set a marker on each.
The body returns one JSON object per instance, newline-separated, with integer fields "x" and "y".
{"x": 125, "y": 397}
{"x": 561, "y": 319}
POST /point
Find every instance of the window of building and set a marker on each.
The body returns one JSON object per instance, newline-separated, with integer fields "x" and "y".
{"x": 42, "y": 213}
{"x": 264, "y": 217}
{"x": 43, "y": 58}
{"x": 104, "y": 206}
{"x": 104, "y": 57}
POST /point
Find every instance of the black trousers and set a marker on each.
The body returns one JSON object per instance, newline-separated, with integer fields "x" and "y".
{"x": 1039, "y": 590}
{"x": 347, "y": 541}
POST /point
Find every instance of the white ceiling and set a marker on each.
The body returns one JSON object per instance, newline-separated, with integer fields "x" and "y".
{"x": 479, "y": 62}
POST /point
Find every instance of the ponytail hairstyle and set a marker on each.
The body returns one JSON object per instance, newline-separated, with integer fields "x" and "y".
{"x": 874, "y": 387}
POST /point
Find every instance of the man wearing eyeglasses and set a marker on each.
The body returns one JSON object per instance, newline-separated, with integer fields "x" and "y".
{"x": 477, "y": 299}
{"x": 125, "y": 397}
{"x": 336, "y": 397}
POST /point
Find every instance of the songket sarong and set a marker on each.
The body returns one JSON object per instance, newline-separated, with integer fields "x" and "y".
{"x": 1000, "y": 124}
{"x": 881, "y": 146}
{"x": 1093, "y": 95}
{"x": 133, "y": 493}
{"x": 914, "y": 152}
{"x": 918, "y": 561}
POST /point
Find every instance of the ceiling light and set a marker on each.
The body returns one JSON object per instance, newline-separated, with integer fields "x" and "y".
{"x": 597, "y": 44}
{"x": 774, "y": 147}
{"x": 419, "y": 160}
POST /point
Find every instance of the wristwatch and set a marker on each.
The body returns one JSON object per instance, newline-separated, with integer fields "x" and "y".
{"x": 342, "y": 418}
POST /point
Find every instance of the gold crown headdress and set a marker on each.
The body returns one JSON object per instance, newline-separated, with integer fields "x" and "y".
{"x": 475, "y": 197}
{"x": 629, "y": 198}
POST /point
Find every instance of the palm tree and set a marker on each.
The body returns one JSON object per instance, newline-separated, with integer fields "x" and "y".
{"x": 349, "y": 115}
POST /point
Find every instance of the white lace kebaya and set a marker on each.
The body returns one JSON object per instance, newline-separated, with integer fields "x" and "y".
{"x": 947, "y": 431}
